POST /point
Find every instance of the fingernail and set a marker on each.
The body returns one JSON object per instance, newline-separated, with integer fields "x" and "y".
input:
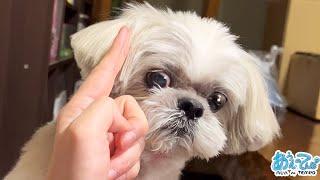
{"x": 112, "y": 174}
{"x": 128, "y": 138}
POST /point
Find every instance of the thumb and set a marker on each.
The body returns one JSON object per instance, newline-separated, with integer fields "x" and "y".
{"x": 101, "y": 116}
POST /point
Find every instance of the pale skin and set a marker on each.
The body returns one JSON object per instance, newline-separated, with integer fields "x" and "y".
{"x": 98, "y": 137}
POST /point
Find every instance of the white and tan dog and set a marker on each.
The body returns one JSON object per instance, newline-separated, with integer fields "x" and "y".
{"x": 202, "y": 94}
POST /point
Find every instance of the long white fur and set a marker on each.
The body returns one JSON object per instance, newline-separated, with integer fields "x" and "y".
{"x": 206, "y": 51}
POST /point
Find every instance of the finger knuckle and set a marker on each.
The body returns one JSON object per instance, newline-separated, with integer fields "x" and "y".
{"x": 134, "y": 171}
{"x": 125, "y": 165}
{"x": 75, "y": 133}
{"x": 145, "y": 127}
{"x": 142, "y": 144}
{"x": 120, "y": 99}
{"x": 142, "y": 125}
{"x": 110, "y": 100}
{"x": 128, "y": 98}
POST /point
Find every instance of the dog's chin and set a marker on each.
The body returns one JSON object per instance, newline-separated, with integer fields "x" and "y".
{"x": 170, "y": 147}
{"x": 174, "y": 139}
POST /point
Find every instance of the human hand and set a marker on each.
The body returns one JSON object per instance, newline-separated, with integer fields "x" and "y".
{"x": 98, "y": 137}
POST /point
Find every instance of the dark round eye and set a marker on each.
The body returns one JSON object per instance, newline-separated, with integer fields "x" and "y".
{"x": 216, "y": 101}
{"x": 157, "y": 79}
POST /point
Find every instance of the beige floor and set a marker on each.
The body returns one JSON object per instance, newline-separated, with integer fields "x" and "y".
{"x": 298, "y": 134}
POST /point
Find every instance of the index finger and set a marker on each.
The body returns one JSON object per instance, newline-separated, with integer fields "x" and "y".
{"x": 101, "y": 79}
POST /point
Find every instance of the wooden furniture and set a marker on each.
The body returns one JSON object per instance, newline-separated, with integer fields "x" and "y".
{"x": 101, "y": 10}
{"x": 28, "y": 84}
{"x": 25, "y": 42}
{"x": 211, "y": 8}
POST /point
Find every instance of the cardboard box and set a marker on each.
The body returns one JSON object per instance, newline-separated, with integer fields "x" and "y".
{"x": 303, "y": 84}
{"x": 301, "y": 33}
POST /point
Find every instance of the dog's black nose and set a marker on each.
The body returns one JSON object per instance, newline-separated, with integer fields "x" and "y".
{"x": 191, "y": 107}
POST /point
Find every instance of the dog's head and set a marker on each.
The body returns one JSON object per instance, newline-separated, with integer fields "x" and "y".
{"x": 202, "y": 94}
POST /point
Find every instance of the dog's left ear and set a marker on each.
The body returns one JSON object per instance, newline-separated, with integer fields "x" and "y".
{"x": 90, "y": 44}
{"x": 254, "y": 124}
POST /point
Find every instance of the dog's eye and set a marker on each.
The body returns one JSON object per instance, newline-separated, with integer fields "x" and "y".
{"x": 216, "y": 101}
{"x": 157, "y": 79}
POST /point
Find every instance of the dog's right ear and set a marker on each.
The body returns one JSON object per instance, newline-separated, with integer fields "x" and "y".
{"x": 90, "y": 44}
{"x": 254, "y": 124}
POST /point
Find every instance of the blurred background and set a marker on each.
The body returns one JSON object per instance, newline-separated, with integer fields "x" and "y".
{"x": 38, "y": 72}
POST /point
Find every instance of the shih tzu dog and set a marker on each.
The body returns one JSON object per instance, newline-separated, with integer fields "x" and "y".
{"x": 201, "y": 92}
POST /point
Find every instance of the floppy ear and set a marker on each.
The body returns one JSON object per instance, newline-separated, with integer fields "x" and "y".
{"x": 90, "y": 44}
{"x": 254, "y": 124}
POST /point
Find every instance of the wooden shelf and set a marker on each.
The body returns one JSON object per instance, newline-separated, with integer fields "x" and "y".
{"x": 72, "y": 7}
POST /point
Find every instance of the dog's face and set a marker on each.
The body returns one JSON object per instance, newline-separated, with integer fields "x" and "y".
{"x": 202, "y": 94}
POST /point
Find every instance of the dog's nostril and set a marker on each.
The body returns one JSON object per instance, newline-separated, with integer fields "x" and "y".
{"x": 185, "y": 105}
{"x": 192, "y": 108}
{"x": 198, "y": 112}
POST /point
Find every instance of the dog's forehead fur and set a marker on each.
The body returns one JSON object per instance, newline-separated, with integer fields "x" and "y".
{"x": 203, "y": 43}
{"x": 199, "y": 48}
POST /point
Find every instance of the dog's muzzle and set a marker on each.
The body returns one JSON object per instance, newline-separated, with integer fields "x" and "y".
{"x": 183, "y": 124}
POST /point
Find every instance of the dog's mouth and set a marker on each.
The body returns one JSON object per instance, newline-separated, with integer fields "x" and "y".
{"x": 180, "y": 127}
{"x": 178, "y": 133}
